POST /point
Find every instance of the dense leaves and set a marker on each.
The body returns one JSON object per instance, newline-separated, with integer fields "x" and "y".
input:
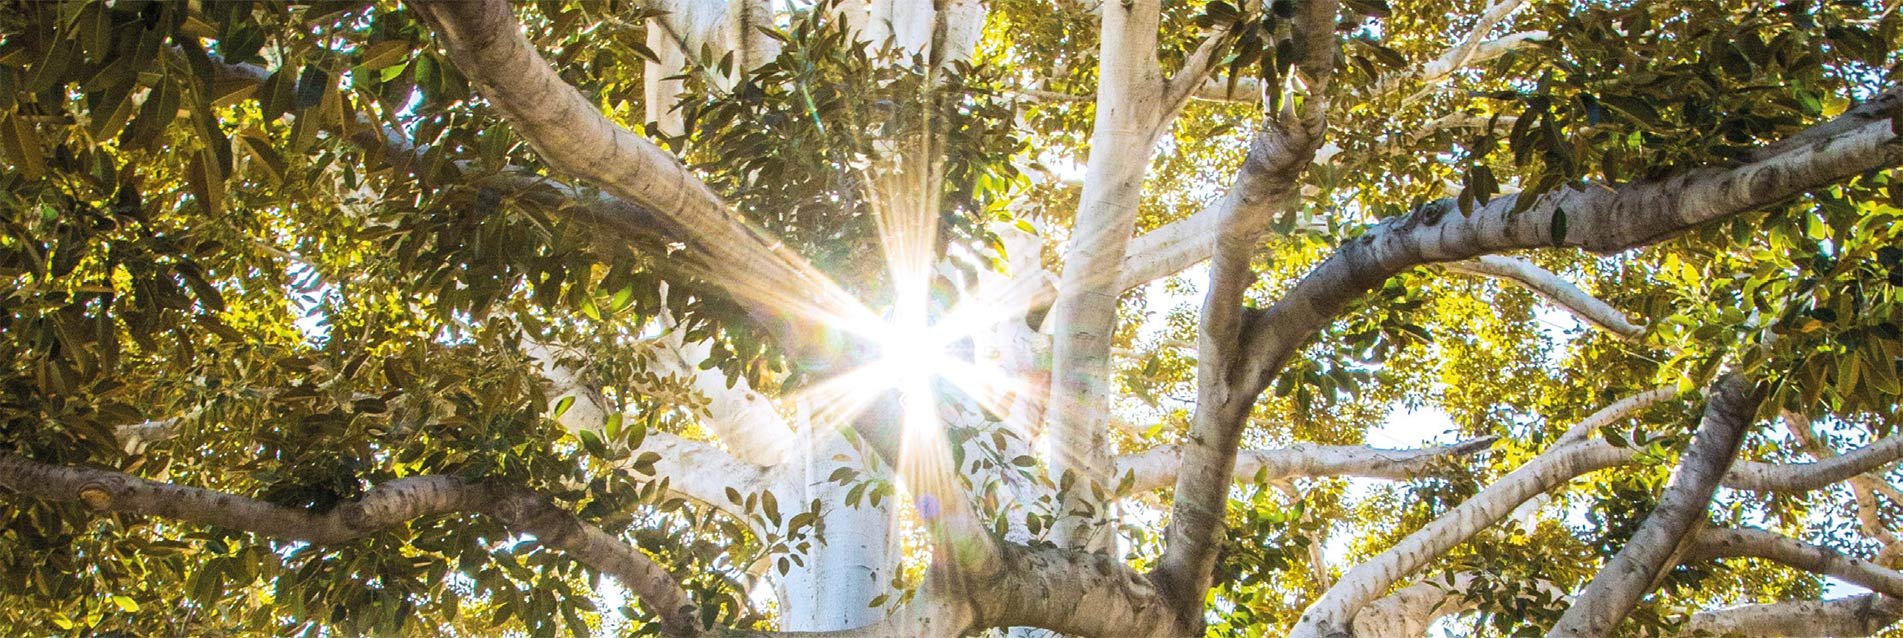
{"x": 291, "y": 235}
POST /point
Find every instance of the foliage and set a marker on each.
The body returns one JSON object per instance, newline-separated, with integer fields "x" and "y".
{"x": 314, "y": 315}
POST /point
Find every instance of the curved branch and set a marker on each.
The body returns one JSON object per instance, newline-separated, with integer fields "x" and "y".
{"x": 1864, "y": 490}
{"x": 1331, "y": 615}
{"x": 1279, "y": 156}
{"x": 1409, "y": 611}
{"x": 390, "y": 503}
{"x": 1555, "y": 289}
{"x": 1597, "y": 218}
{"x": 1618, "y": 410}
{"x": 1617, "y": 588}
{"x": 486, "y": 42}
{"x": 1155, "y": 468}
{"x": 1864, "y": 615}
{"x": 1803, "y": 477}
{"x": 1470, "y": 50}
{"x": 1572, "y": 456}
{"x": 1755, "y": 543}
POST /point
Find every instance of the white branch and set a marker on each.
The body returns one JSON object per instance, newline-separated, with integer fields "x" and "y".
{"x": 1612, "y": 413}
{"x": 1190, "y": 80}
{"x": 1470, "y": 50}
{"x": 1555, "y": 289}
{"x": 387, "y": 504}
{"x": 1409, "y": 611}
{"x": 1594, "y": 217}
{"x": 786, "y": 293}
{"x": 1626, "y": 578}
{"x": 1754, "y": 543}
{"x": 1333, "y": 613}
{"x": 1802, "y": 477}
{"x": 745, "y": 420}
{"x": 1156, "y": 468}
{"x": 1848, "y": 617}
{"x": 1129, "y": 116}
{"x": 1864, "y": 489}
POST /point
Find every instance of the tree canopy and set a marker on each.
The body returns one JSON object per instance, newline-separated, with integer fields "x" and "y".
{"x": 951, "y": 317}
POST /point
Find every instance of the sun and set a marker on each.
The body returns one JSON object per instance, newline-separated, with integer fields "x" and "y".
{"x": 913, "y": 354}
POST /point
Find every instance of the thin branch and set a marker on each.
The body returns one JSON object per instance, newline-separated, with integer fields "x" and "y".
{"x": 1179, "y": 88}
{"x": 1864, "y": 489}
{"x": 1612, "y": 413}
{"x": 744, "y": 419}
{"x": 1613, "y": 593}
{"x": 693, "y": 469}
{"x": 1156, "y": 468}
{"x": 387, "y": 504}
{"x": 1470, "y": 50}
{"x": 1555, "y": 289}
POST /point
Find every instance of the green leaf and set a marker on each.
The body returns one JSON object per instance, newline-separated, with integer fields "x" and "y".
{"x": 312, "y": 83}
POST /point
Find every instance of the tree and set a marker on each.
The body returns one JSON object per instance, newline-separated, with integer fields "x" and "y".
{"x": 905, "y": 318}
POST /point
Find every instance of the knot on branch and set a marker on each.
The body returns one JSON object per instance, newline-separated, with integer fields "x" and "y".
{"x": 529, "y": 512}
{"x": 97, "y": 494}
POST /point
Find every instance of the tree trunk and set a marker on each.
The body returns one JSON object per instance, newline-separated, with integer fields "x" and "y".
{"x": 850, "y": 563}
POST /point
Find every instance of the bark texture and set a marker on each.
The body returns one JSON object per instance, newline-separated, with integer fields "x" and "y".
{"x": 385, "y": 505}
{"x": 1855, "y": 616}
{"x": 1629, "y": 575}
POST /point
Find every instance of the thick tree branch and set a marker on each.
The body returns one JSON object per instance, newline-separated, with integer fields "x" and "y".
{"x": 1178, "y": 245}
{"x": 1853, "y": 616}
{"x": 1625, "y": 579}
{"x": 1271, "y": 175}
{"x": 1712, "y": 543}
{"x": 1555, "y": 289}
{"x": 1331, "y": 615}
{"x": 1130, "y": 114}
{"x": 384, "y": 505}
{"x": 484, "y": 40}
{"x": 1804, "y": 477}
{"x": 1157, "y": 468}
{"x": 786, "y": 294}
{"x": 1597, "y": 218}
